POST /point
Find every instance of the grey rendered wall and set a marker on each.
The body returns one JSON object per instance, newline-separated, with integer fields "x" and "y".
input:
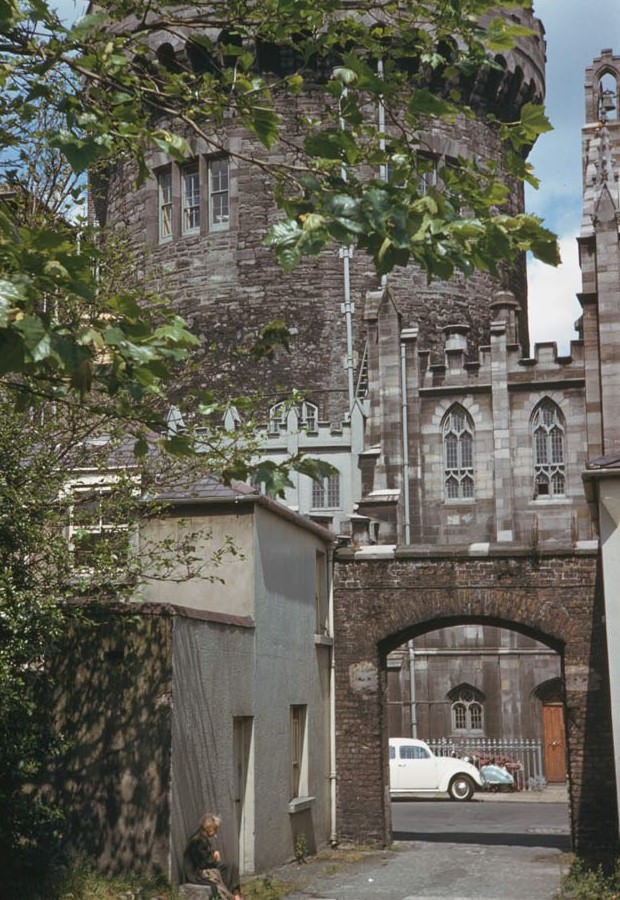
{"x": 290, "y": 669}
{"x": 213, "y": 668}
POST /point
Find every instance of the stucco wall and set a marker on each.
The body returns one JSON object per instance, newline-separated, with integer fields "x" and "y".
{"x": 225, "y": 586}
{"x": 254, "y": 671}
{"x": 291, "y": 668}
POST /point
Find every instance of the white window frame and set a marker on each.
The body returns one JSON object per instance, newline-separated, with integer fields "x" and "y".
{"x": 299, "y": 751}
{"x": 99, "y": 526}
{"x": 321, "y": 594}
{"x": 549, "y": 451}
{"x": 326, "y": 493}
{"x": 458, "y": 472}
{"x": 165, "y": 204}
{"x": 219, "y": 193}
{"x": 190, "y": 198}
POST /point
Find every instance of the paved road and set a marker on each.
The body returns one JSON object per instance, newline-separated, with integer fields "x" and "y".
{"x": 523, "y": 824}
{"x": 452, "y": 851}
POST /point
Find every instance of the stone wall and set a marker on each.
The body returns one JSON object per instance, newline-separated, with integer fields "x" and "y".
{"x": 228, "y": 285}
{"x": 381, "y": 602}
{"x": 114, "y": 709}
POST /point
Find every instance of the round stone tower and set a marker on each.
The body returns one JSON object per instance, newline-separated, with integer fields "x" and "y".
{"x": 197, "y": 232}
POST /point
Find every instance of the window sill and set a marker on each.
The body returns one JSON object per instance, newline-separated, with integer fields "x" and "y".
{"x": 298, "y": 804}
{"x": 324, "y": 639}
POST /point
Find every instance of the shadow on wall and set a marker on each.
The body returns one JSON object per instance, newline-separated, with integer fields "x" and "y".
{"x": 113, "y": 704}
{"x": 598, "y": 804}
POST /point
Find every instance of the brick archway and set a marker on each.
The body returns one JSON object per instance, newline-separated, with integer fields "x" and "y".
{"x": 380, "y": 602}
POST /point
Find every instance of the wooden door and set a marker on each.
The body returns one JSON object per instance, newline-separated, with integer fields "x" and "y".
{"x": 554, "y": 741}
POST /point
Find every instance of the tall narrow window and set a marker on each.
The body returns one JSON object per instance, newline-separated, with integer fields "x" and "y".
{"x": 298, "y": 785}
{"x": 548, "y": 437}
{"x": 427, "y": 173}
{"x": 321, "y": 592}
{"x": 164, "y": 188}
{"x": 458, "y": 447}
{"x": 219, "y": 198}
{"x": 326, "y": 492}
{"x": 190, "y": 182}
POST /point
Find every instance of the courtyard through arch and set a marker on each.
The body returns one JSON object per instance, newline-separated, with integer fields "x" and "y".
{"x": 381, "y": 602}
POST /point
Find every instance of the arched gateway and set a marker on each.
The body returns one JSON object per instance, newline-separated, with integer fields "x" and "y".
{"x": 383, "y": 598}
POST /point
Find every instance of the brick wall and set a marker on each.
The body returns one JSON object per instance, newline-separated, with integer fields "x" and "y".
{"x": 380, "y": 603}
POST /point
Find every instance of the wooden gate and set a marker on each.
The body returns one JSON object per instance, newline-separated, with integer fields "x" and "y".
{"x": 554, "y": 742}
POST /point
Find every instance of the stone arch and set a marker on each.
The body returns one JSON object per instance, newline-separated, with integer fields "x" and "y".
{"x": 608, "y": 93}
{"x": 549, "y": 691}
{"x": 380, "y": 602}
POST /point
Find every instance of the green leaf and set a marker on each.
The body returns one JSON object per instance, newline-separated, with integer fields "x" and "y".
{"x": 10, "y": 14}
{"x": 425, "y": 103}
{"x": 174, "y": 145}
{"x": 534, "y": 120}
{"x": 264, "y": 121}
{"x": 179, "y": 445}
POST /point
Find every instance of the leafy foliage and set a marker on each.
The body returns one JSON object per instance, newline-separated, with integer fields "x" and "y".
{"x": 586, "y": 881}
{"x": 96, "y": 92}
{"x": 85, "y": 350}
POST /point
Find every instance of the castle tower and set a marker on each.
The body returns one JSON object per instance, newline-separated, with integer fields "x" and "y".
{"x": 228, "y": 285}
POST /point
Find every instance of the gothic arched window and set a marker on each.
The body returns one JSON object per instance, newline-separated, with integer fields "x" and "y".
{"x": 458, "y": 454}
{"x": 467, "y": 709}
{"x": 548, "y": 438}
{"x": 307, "y": 416}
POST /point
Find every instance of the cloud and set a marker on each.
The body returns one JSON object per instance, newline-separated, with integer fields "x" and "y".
{"x": 553, "y": 305}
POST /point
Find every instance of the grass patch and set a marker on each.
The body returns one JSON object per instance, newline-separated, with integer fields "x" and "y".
{"x": 81, "y": 882}
{"x": 266, "y": 888}
{"x": 591, "y": 882}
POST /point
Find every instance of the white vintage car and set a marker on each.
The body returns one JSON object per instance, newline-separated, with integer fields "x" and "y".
{"x": 414, "y": 769}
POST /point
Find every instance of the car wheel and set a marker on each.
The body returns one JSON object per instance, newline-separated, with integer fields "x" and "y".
{"x": 461, "y": 788}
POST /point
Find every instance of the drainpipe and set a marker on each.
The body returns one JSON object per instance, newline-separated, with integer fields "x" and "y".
{"x": 333, "y": 834}
{"x": 405, "y": 439}
{"x": 412, "y": 694}
{"x": 347, "y": 307}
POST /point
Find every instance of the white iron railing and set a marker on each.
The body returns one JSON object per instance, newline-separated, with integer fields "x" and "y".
{"x": 523, "y": 757}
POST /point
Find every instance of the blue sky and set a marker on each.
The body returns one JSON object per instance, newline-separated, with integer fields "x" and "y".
{"x": 576, "y": 32}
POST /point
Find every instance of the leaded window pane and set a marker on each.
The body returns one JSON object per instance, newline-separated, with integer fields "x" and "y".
{"x": 549, "y": 451}
{"x": 458, "y": 455}
{"x": 452, "y": 455}
{"x": 452, "y": 488}
{"x": 557, "y": 446}
{"x": 333, "y": 490}
{"x": 475, "y": 713}
{"x": 467, "y": 453}
{"x": 460, "y": 716}
{"x": 318, "y": 492}
{"x": 541, "y": 447}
